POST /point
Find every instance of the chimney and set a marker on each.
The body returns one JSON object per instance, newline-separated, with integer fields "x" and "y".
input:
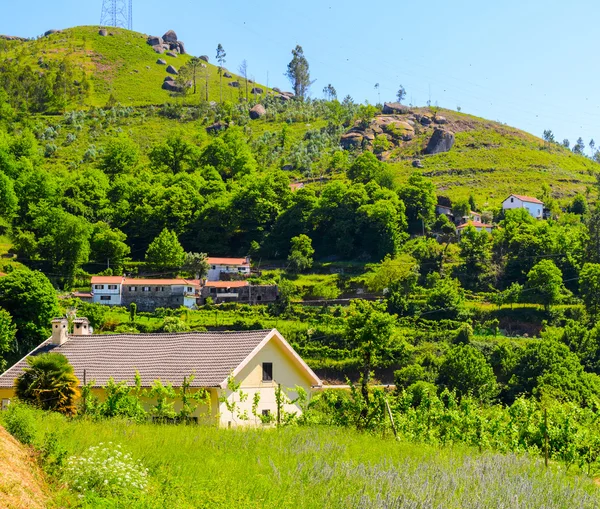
{"x": 81, "y": 327}
{"x": 60, "y": 331}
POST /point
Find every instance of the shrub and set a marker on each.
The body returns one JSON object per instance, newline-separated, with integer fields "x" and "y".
{"x": 106, "y": 471}
{"x": 19, "y": 422}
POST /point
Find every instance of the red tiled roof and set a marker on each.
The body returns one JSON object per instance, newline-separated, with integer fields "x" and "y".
{"x": 82, "y": 295}
{"x": 226, "y": 284}
{"x": 294, "y": 186}
{"x": 476, "y": 224}
{"x": 107, "y": 280}
{"x": 2, "y": 274}
{"x": 528, "y": 199}
{"x": 227, "y": 261}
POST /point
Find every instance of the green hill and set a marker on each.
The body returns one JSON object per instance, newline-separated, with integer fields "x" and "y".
{"x": 122, "y": 64}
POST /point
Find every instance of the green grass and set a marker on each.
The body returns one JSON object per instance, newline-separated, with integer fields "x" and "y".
{"x": 492, "y": 160}
{"x": 122, "y": 64}
{"x": 197, "y": 467}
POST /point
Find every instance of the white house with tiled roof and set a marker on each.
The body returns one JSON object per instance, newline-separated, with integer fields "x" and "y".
{"x": 534, "y": 206}
{"x": 260, "y": 361}
{"x": 478, "y": 225}
{"x": 218, "y": 266}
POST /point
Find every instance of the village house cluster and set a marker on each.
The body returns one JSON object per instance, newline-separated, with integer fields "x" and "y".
{"x": 226, "y": 282}
{"x": 533, "y": 206}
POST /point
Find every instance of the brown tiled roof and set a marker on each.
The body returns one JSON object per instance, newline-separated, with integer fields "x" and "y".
{"x": 165, "y": 282}
{"x": 210, "y": 356}
{"x": 529, "y": 199}
{"x": 107, "y": 280}
{"x": 476, "y": 224}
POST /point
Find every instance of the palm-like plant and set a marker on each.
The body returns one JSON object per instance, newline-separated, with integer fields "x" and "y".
{"x": 49, "y": 383}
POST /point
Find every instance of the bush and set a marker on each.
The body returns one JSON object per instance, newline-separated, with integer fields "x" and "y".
{"x": 106, "y": 471}
{"x": 19, "y": 422}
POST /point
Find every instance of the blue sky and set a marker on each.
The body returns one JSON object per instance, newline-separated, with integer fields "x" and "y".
{"x": 527, "y": 63}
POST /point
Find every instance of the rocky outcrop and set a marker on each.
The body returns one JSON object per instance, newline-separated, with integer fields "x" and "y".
{"x": 282, "y": 97}
{"x": 160, "y": 61}
{"x": 172, "y": 70}
{"x": 351, "y": 140}
{"x": 394, "y": 126}
{"x": 203, "y": 57}
{"x": 395, "y": 108}
{"x": 12, "y": 38}
{"x": 417, "y": 163}
{"x": 169, "y": 78}
{"x": 227, "y": 75}
{"x": 438, "y": 119}
{"x": 170, "y": 36}
{"x": 234, "y": 84}
{"x": 154, "y": 40}
{"x": 441, "y": 141}
{"x": 216, "y": 127}
{"x": 171, "y": 86}
{"x": 159, "y": 49}
{"x": 181, "y": 47}
{"x": 257, "y": 90}
{"x": 257, "y": 112}
{"x": 425, "y": 120}
{"x": 278, "y": 90}
{"x": 103, "y": 32}
{"x": 171, "y": 54}
{"x": 50, "y": 32}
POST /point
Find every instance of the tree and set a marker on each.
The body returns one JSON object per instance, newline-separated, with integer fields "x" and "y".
{"x": 391, "y": 270}
{"x": 401, "y": 94}
{"x": 329, "y": 92}
{"x": 548, "y": 136}
{"x": 369, "y": 329}
{"x": 579, "y": 147}
{"x": 194, "y": 65}
{"x": 592, "y": 146}
{"x": 301, "y": 252}
{"x": 9, "y": 203}
{"x": 108, "y": 245}
{"x": 165, "y": 251}
{"x": 298, "y": 73}
{"x": 176, "y": 154}
{"x": 196, "y": 264}
{"x": 420, "y": 199}
{"x": 579, "y": 205}
{"x": 243, "y": 70}
{"x": 120, "y": 156}
{"x": 48, "y": 383}
{"x": 566, "y": 143}
{"x": 365, "y": 168}
{"x": 446, "y": 299}
{"x": 545, "y": 279}
{"x": 8, "y": 334}
{"x": 221, "y": 59}
{"x": 31, "y": 300}
{"x": 476, "y": 252}
{"x": 589, "y": 288}
{"x": 466, "y": 371}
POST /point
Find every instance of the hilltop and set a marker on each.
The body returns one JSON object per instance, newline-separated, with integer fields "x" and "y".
{"x": 121, "y": 63}
{"x": 488, "y": 159}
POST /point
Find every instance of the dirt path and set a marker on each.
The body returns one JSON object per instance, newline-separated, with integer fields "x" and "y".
{"x": 21, "y": 481}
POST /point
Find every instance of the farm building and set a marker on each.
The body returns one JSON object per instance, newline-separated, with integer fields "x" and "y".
{"x": 261, "y": 361}
{"x": 227, "y": 267}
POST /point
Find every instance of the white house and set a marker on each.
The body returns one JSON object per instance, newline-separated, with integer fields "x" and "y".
{"x": 218, "y": 266}
{"x": 534, "y": 206}
{"x": 107, "y": 290}
{"x": 262, "y": 362}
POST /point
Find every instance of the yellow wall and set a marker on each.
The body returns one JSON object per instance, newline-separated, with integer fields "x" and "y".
{"x": 285, "y": 372}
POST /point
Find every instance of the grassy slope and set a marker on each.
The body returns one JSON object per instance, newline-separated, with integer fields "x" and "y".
{"x": 493, "y": 160}
{"x": 315, "y": 468}
{"x": 123, "y": 64}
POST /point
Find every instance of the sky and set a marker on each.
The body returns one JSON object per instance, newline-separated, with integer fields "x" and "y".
{"x": 528, "y": 63}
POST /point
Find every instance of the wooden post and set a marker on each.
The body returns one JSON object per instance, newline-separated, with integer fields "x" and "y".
{"x": 546, "y": 437}
{"x": 278, "y": 400}
{"x": 389, "y": 411}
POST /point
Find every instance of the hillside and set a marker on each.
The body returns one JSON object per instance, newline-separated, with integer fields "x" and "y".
{"x": 121, "y": 63}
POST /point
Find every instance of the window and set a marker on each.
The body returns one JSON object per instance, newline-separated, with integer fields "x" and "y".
{"x": 98, "y": 287}
{"x": 158, "y": 289}
{"x": 112, "y": 287}
{"x": 145, "y": 288}
{"x": 5, "y": 403}
{"x": 132, "y": 288}
{"x": 213, "y": 290}
{"x": 214, "y": 267}
{"x": 105, "y": 297}
{"x": 189, "y": 289}
{"x": 512, "y": 200}
{"x": 267, "y": 369}
{"x": 266, "y": 412}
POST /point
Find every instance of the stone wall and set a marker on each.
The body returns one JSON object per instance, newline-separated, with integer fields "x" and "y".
{"x": 169, "y": 297}
{"x": 253, "y": 294}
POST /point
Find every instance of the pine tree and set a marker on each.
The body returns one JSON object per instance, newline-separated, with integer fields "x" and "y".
{"x": 298, "y": 73}
{"x": 221, "y": 59}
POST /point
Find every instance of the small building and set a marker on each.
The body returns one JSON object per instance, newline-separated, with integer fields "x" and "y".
{"x": 238, "y": 291}
{"x": 83, "y": 296}
{"x": 294, "y": 186}
{"x": 444, "y": 209}
{"x": 478, "y": 225}
{"x": 148, "y": 294}
{"x": 107, "y": 290}
{"x": 534, "y": 206}
{"x": 227, "y": 266}
{"x": 260, "y": 361}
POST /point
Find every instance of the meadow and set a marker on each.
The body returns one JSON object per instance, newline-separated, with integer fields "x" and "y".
{"x": 317, "y": 467}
